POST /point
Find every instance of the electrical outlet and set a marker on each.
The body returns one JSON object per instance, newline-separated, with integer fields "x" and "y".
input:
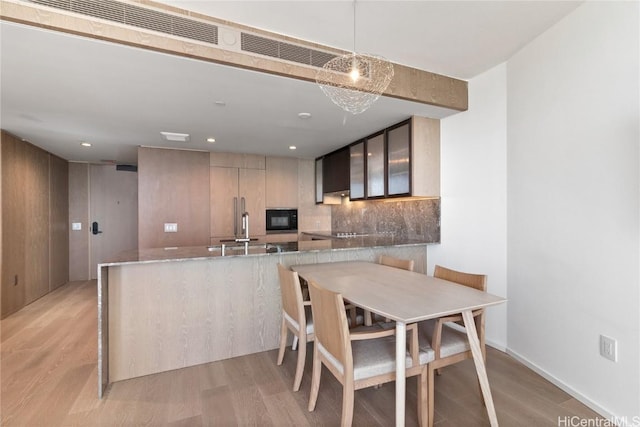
{"x": 170, "y": 227}
{"x": 609, "y": 348}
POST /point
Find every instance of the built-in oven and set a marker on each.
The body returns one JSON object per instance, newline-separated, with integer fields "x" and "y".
{"x": 282, "y": 220}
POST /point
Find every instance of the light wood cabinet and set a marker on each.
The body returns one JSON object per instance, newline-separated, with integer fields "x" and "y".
{"x": 228, "y": 186}
{"x": 281, "y": 182}
{"x": 281, "y": 237}
{"x": 237, "y": 160}
{"x": 425, "y": 157}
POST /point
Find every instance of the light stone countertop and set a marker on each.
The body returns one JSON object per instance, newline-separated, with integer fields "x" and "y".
{"x": 256, "y": 249}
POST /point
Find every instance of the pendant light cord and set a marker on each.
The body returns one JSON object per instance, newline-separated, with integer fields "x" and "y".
{"x": 354, "y": 27}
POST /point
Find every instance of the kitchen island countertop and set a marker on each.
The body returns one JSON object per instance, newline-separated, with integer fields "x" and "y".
{"x": 257, "y": 249}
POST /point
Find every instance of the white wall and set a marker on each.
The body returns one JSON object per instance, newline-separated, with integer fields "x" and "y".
{"x": 573, "y": 203}
{"x": 473, "y": 186}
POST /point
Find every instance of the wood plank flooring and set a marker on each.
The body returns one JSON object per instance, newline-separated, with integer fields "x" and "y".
{"x": 48, "y": 377}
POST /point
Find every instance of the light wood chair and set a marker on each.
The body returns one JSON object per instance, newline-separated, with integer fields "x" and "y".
{"x": 296, "y": 317}
{"x": 359, "y": 359}
{"x": 405, "y": 264}
{"x": 450, "y": 344}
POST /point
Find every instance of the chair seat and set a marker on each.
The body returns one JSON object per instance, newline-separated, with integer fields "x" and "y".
{"x": 309, "y": 320}
{"x": 452, "y": 341}
{"x": 376, "y": 357}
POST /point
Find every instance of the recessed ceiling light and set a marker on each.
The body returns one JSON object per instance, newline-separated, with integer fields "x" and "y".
{"x": 304, "y": 115}
{"x": 211, "y": 140}
{"x": 292, "y": 147}
{"x": 85, "y": 144}
{"x": 220, "y": 103}
{"x": 175, "y": 137}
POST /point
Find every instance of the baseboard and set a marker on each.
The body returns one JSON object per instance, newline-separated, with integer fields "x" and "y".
{"x": 497, "y": 346}
{"x": 612, "y": 418}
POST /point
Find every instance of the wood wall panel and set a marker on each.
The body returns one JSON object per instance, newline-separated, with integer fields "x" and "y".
{"x": 79, "y": 212}
{"x": 37, "y": 222}
{"x": 173, "y": 187}
{"x": 13, "y": 225}
{"x": 34, "y": 196}
{"x": 59, "y": 222}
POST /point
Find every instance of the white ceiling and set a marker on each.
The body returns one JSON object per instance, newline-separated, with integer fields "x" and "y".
{"x": 58, "y": 90}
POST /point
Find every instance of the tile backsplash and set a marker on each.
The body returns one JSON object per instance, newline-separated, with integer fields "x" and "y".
{"x": 412, "y": 219}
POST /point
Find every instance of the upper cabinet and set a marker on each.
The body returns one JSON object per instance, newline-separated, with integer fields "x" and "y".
{"x": 282, "y": 182}
{"x": 319, "y": 189}
{"x": 375, "y": 165}
{"x": 425, "y": 157}
{"x": 335, "y": 171}
{"x": 400, "y": 161}
{"x": 356, "y": 183}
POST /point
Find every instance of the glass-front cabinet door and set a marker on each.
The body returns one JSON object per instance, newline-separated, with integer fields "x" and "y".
{"x": 356, "y": 162}
{"x": 319, "y": 180}
{"x": 398, "y": 160}
{"x": 375, "y": 166}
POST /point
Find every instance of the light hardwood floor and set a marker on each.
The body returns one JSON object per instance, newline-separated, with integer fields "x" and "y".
{"x": 48, "y": 378}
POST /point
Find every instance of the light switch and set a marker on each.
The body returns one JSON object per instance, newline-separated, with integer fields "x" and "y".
{"x": 76, "y": 226}
{"x": 170, "y": 227}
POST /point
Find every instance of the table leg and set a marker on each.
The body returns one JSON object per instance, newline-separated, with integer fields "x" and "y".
{"x": 481, "y": 369}
{"x": 401, "y": 354}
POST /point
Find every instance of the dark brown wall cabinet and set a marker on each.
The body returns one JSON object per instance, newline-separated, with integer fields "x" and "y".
{"x": 400, "y": 161}
{"x": 335, "y": 171}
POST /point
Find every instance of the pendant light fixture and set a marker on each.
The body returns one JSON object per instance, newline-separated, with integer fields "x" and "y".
{"x": 355, "y": 81}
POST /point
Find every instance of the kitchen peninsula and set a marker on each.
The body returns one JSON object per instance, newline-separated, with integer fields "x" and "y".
{"x": 169, "y": 308}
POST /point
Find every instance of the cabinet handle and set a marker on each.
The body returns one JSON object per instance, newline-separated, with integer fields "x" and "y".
{"x": 235, "y": 216}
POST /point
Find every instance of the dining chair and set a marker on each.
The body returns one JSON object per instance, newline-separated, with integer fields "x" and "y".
{"x": 450, "y": 344}
{"x": 296, "y": 317}
{"x": 359, "y": 359}
{"x": 405, "y": 264}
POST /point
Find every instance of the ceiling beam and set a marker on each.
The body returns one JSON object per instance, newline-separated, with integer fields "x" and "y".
{"x": 408, "y": 83}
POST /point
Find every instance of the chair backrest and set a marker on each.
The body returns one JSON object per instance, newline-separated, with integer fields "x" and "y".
{"x": 476, "y": 281}
{"x": 330, "y": 323}
{"x": 405, "y": 264}
{"x": 291, "y": 292}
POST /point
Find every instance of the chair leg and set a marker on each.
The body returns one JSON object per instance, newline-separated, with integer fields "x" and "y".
{"x": 295, "y": 343}
{"x": 283, "y": 341}
{"x": 347, "y": 403}
{"x": 302, "y": 353}
{"x": 367, "y": 318}
{"x": 430, "y": 396}
{"x": 423, "y": 398}
{"x": 315, "y": 378}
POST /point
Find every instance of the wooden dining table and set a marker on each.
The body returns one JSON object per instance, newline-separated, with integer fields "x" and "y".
{"x": 406, "y": 297}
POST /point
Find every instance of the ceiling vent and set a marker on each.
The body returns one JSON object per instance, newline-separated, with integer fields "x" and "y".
{"x": 154, "y": 19}
{"x": 285, "y": 51}
{"x": 137, "y": 16}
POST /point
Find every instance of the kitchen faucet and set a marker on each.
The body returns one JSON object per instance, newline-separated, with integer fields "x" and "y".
{"x": 245, "y": 229}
